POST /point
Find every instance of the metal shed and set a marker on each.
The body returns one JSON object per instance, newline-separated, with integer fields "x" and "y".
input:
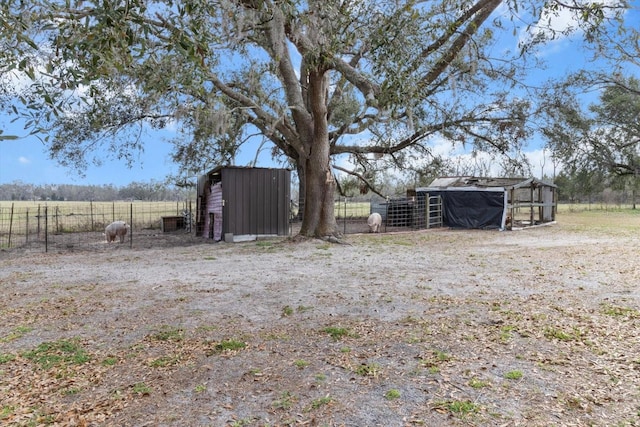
{"x": 501, "y": 203}
{"x": 243, "y": 203}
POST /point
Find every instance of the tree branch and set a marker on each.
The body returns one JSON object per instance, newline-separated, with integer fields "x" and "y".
{"x": 361, "y": 178}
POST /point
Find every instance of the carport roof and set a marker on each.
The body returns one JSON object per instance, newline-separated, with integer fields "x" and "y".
{"x": 483, "y": 182}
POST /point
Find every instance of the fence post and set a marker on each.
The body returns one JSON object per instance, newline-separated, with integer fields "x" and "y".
{"x": 427, "y": 210}
{"x": 38, "y": 230}
{"x": 57, "y": 224}
{"x": 131, "y": 226}
{"x": 386, "y": 221}
{"x": 26, "y": 231}
{"x": 113, "y": 211}
{"x": 46, "y": 228}
{"x": 10, "y": 224}
{"x": 344, "y": 220}
{"x": 91, "y": 211}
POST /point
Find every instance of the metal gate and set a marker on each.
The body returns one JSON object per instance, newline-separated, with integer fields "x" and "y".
{"x": 434, "y": 211}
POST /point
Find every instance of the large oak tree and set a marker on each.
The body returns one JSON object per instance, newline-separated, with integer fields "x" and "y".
{"x": 317, "y": 79}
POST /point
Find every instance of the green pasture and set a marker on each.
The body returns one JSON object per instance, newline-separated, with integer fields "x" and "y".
{"x": 599, "y": 219}
{"x": 28, "y": 217}
{"x": 350, "y": 209}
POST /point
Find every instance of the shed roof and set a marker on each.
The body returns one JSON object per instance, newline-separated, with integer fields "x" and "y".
{"x": 485, "y": 183}
{"x": 217, "y": 169}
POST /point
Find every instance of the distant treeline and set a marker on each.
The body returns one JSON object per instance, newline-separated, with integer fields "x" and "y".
{"x": 151, "y": 191}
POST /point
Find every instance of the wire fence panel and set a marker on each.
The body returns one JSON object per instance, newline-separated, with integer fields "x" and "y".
{"x": 398, "y": 214}
{"x": 65, "y": 226}
{"x": 70, "y": 225}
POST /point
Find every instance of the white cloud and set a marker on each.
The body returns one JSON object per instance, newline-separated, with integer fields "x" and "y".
{"x": 23, "y": 160}
{"x": 561, "y": 23}
{"x": 542, "y": 163}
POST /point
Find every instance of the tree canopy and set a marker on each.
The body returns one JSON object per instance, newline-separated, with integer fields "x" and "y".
{"x": 599, "y": 139}
{"x": 319, "y": 80}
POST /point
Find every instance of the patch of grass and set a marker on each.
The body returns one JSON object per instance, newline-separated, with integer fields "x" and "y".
{"x": 164, "y": 361}
{"x": 6, "y": 411}
{"x": 505, "y": 333}
{"x": 513, "y": 375}
{"x": 287, "y": 311}
{"x": 322, "y": 401}
{"x": 477, "y": 384}
{"x": 392, "y": 394}
{"x": 559, "y": 334}
{"x": 206, "y": 328}
{"x": 168, "y": 333}
{"x": 209, "y": 258}
{"x": 71, "y": 391}
{"x": 286, "y": 401}
{"x": 200, "y": 388}
{"x": 573, "y": 403}
{"x": 300, "y": 363}
{"x": 16, "y": 333}
{"x": 368, "y": 370}
{"x": 141, "y": 389}
{"x": 337, "y": 333}
{"x": 320, "y": 377}
{"x": 612, "y": 310}
{"x": 404, "y": 243}
{"x": 434, "y": 360}
{"x": 264, "y": 244}
{"x": 110, "y": 361}
{"x": 441, "y": 356}
{"x": 228, "y": 346}
{"x": 6, "y": 358}
{"x": 63, "y": 352}
{"x": 458, "y": 407}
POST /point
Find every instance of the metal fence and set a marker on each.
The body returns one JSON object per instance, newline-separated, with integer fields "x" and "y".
{"x": 69, "y": 225}
{"x": 398, "y": 213}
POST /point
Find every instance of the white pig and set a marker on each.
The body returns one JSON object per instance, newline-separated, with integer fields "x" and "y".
{"x": 375, "y": 222}
{"x": 116, "y": 228}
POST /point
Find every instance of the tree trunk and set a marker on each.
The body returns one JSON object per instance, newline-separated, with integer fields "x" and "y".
{"x": 319, "y": 185}
{"x": 319, "y": 217}
{"x": 301, "y": 192}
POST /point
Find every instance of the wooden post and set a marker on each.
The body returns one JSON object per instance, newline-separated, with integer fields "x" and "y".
{"x": 344, "y": 227}
{"x": 131, "y": 226}
{"x": 56, "y": 217}
{"x": 513, "y": 210}
{"x": 46, "y": 228}
{"x": 531, "y": 206}
{"x": 10, "y": 224}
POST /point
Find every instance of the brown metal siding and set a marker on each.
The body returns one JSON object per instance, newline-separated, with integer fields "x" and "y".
{"x": 256, "y": 201}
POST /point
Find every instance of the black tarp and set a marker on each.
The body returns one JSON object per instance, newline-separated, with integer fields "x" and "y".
{"x": 471, "y": 208}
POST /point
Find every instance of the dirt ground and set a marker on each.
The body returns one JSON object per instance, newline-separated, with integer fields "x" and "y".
{"x": 431, "y": 328}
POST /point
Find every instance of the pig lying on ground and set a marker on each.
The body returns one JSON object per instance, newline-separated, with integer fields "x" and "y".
{"x": 375, "y": 222}
{"x": 117, "y": 228}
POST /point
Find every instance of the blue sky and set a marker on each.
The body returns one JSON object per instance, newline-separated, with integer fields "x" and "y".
{"x": 27, "y": 160}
